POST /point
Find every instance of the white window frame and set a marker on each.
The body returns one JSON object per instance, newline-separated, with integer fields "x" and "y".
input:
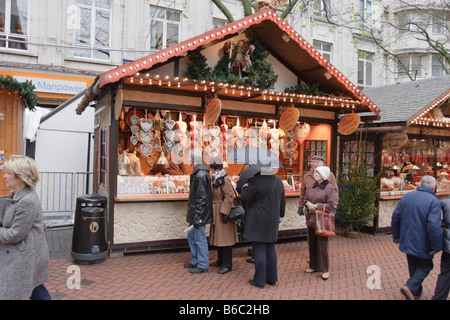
{"x": 412, "y": 66}
{"x": 439, "y": 19}
{"x": 6, "y": 34}
{"x": 436, "y": 67}
{"x": 164, "y": 22}
{"x": 92, "y": 47}
{"x": 366, "y": 61}
{"x": 365, "y": 12}
{"x": 408, "y": 21}
{"x": 320, "y": 10}
{"x": 319, "y": 46}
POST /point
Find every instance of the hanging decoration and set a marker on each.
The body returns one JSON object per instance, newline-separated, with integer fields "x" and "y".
{"x": 288, "y": 119}
{"x": 212, "y": 112}
{"x": 301, "y": 132}
{"x": 349, "y": 123}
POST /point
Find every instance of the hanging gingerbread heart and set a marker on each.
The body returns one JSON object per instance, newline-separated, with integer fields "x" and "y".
{"x": 134, "y": 139}
{"x": 146, "y": 124}
{"x": 170, "y": 135}
{"x": 150, "y": 160}
{"x": 169, "y": 145}
{"x": 134, "y": 120}
{"x": 301, "y": 132}
{"x": 146, "y": 137}
{"x": 134, "y": 129}
{"x": 170, "y": 124}
{"x": 146, "y": 149}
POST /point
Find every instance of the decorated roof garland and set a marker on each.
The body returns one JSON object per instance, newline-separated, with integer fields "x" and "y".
{"x": 25, "y": 89}
{"x": 132, "y": 68}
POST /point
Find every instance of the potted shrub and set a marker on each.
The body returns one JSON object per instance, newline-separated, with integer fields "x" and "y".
{"x": 358, "y": 191}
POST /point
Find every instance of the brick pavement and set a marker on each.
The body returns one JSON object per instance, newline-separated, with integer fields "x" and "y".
{"x": 161, "y": 276}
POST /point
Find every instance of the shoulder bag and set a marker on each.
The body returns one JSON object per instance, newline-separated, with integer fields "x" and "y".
{"x": 325, "y": 223}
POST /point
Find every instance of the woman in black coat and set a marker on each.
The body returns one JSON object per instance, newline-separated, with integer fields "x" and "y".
{"x": 265, "y": 200}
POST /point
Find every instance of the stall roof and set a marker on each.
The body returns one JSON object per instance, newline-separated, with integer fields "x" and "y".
{"x": 416, "y": 102}
{"x": 284, "y": 43}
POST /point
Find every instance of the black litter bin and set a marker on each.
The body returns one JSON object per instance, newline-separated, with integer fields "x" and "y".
{"x": 89, "y": 237}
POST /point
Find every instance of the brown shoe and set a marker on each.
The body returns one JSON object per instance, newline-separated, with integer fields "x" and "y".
{"x": 407, "y": 293}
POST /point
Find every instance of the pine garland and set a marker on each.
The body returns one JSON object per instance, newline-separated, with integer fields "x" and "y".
{"x": 25, "y": 89}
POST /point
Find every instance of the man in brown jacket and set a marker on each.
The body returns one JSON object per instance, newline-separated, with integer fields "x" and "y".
{"x": 308, "y": 181}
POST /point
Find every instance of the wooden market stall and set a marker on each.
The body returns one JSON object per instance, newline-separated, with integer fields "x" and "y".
{"x": 14, "y": 98}
{"x": 411, "y": 139}
{"x": 149, "y": 104}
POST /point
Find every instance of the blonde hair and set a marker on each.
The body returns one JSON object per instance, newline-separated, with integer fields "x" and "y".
{"x": 24, "y": 168}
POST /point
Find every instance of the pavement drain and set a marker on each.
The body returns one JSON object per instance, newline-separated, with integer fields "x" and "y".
{"x": 86, "y": 282}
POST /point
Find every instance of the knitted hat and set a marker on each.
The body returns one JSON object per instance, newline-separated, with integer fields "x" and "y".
{"x": 324, "y": 172}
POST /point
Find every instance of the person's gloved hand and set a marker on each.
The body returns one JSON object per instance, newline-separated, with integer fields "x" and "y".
{"x": 396, "y": 240}
{"x": 224, "y": 218}
{"x": 311, "y": 207}
{"x": 300, "y": 211}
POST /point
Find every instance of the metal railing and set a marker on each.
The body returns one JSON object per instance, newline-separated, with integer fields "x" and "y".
{"x": 58, "y": 192}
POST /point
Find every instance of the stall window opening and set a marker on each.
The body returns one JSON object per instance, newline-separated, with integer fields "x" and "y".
{"x": 14, "y": 24}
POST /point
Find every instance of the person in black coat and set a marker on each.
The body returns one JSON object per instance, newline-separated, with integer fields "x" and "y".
{"x": 199, "y": 214}
{"x": 265, "y": 205}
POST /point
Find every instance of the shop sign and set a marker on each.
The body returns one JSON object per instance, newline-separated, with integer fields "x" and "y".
{"x": 54, "y": 85}
{"x": 289, "y": 119}
{"x": 213, "y": 110}
{"x": 349, "y": 124}
{"x": 395, "y": 139}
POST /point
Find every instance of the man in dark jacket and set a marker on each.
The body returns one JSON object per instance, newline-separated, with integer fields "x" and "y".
{"x": 265, "y": 205}
{"x": 199, "y": 213}
{"x": 416, "y": 226}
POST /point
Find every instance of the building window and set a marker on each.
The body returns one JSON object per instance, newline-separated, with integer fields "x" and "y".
{"x": 410, "y": 64}
{"x": 322, "y": 8}
{"x": 324, "y": 48}
{"x": 365, "y": 12}
{"x": 439, "y": 23}
{"x": 164, "y": 27}
{"x": 14, "y": 24}
{"x": 365, "y": 61}
{"x": 437, "y": 70}
{"x": 410, "y": 21}
{"x": 217, "y": 23}
{"x": 93, "y": 29}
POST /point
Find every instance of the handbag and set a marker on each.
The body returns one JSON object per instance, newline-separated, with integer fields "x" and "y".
{"x": 325, "y": 223}
{"x": 237, "y": 212}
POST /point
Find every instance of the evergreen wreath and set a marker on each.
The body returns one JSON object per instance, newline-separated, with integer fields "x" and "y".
{"x": 25, "y": 89}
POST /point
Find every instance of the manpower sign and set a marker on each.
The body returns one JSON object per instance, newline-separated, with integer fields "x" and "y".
{"x": 54, "y": 85}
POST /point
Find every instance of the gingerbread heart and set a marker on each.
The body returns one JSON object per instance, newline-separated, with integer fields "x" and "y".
{"x": 134, "y": 119}
{"x": 157, "y": 143}
{"x": 274, "y": 133}
{"x": 182, "y": 126}
{"x": 150, "y": 160}
{"x": 301, "y": 132}
{"x": 170, "y": 135}
{"x": 134, "y": 129}
{"x": 214, "y": 131}
{"x": 215, "y": 141}
{"x": 170, "y": 124}
{"x": 146, "y": 149}
{"x": 239, "y": 132}
{"x": 169, "y": 145}
{"x": 146, "y": 124}
{"x": 134, "y": 139}
{"x": 146, "y": 137}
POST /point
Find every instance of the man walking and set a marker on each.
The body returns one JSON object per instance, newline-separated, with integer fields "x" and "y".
{"x": 443, "y": 281}
{"x": 200, "y": 213}
{"x": 416, "y": 226}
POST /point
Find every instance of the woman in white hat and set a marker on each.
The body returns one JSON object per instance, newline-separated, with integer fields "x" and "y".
{"x": 320, "y": 196}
